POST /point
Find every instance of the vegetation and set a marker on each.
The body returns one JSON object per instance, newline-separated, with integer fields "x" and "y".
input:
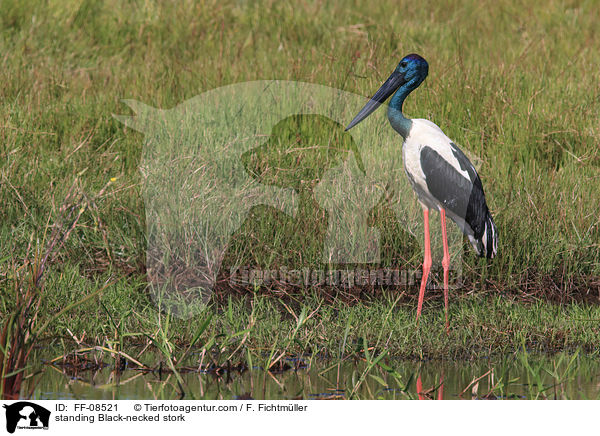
{"x": 514, "y": 84}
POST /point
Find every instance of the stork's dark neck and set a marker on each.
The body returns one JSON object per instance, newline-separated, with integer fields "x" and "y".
{"x": 399, "y": 122}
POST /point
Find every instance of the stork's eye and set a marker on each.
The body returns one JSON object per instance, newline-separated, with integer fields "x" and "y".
{"x": 403, "y": 64}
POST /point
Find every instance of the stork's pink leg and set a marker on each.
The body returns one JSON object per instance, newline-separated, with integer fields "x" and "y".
{"x": 445, "y": 265}
{"x": 426, "y": 264}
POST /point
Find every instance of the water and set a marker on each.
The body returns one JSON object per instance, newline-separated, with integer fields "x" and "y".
{"x": 523, "y": 376}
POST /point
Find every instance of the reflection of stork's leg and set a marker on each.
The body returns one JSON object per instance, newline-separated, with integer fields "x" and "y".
{"x": 424, "y": 395}
{"x": 445, "y": 264}
{"x": 420, "y": 388}
{"x": 426, "y": 263}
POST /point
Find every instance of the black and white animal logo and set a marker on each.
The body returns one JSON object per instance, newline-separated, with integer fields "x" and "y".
{"x": 26, "y": 415}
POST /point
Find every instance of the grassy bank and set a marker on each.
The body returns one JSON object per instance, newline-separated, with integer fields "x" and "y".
{"x": 515, "y": 85}
{"x": 262, "y": 327}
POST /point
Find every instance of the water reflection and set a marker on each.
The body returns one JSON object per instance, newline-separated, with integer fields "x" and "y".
{"x": 427, "y": 394}
{"x": 534, "y": 377}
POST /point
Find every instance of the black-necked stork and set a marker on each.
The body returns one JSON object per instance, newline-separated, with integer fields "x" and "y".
{"x": 440, "y": 174}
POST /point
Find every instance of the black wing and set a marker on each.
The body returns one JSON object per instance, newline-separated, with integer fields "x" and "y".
{"x": 464, "y": 197}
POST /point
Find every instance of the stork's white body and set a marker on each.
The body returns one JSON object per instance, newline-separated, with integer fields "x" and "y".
{"x": 424, "y": 133}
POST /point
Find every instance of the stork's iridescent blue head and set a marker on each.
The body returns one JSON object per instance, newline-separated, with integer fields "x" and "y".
{"x": 408, "y": 75}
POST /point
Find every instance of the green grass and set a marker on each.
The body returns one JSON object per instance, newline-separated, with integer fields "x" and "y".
{"x": 268, "y": 326}
{"x": 512, "y": 83}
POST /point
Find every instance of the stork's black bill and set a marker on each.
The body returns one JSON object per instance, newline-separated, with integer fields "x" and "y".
{"x": 395, "y": 81}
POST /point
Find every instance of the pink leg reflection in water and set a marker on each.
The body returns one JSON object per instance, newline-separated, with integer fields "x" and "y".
{"x": 426, "y": 394}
